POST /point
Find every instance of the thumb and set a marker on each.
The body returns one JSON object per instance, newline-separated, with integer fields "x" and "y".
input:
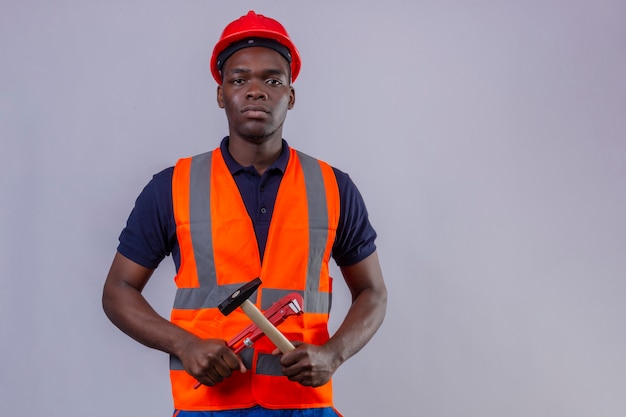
{"x": 242, "y": 366}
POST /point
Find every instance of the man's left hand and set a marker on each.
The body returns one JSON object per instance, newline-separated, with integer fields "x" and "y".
{"x": 309, "y": 365}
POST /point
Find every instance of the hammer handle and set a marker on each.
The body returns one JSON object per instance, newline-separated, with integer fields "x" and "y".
{"x": 279, "y": 339}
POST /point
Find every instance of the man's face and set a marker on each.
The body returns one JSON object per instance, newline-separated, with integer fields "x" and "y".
{"x": 256, "y": 93}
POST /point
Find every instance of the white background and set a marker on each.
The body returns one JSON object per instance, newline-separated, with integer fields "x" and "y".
{"x": 487, "y": 137}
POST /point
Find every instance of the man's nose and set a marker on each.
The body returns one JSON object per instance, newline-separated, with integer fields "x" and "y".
{"x": 256, "y": 90}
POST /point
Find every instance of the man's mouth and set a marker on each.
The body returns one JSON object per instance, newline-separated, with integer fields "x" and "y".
{"x": 255, "y": 110}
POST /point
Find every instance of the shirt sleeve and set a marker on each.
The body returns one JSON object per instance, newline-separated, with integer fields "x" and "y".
{"x": 150, "y": 232}
{"x": 356, "y": 236}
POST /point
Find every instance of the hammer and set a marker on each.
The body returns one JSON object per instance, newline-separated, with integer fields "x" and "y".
{"x": 240, "y": 299}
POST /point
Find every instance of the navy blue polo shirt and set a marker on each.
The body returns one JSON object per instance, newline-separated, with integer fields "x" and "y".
{"x": 150, "y": 232}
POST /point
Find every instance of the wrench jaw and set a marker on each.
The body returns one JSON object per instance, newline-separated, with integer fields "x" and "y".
{"x": 294, "y": 305}
{"x": 289, "y": 305}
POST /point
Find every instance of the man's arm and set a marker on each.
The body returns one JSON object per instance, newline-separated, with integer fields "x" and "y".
{"x": 314, "y": 365}
{"x": 209, "y": 361}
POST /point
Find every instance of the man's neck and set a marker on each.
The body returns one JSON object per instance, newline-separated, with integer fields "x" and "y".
{"x": 260, "y": 154}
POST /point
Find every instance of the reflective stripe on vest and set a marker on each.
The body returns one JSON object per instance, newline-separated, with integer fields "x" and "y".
{"x": 216, "y": 259}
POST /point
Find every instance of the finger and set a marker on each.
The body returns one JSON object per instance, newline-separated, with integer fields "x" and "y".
{"x": 209, "y": 379}
{"x": 233, "y": 361}
{"x": 242, "y": 366}
{"x": 222, "y": 370}
{"x": 290, "y": 358}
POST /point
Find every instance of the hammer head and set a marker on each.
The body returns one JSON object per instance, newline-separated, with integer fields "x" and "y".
{"x": 238, "y": 297}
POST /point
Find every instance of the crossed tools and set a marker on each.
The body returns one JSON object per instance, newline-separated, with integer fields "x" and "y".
{"x": 289, "y": 305}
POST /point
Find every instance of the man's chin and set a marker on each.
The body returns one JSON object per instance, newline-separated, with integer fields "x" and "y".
{"x": 256, "y": 136}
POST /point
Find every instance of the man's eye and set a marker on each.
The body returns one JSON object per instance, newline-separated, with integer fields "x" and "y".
{"x": 274, "y": 82}
{"x": 237, "y": 81}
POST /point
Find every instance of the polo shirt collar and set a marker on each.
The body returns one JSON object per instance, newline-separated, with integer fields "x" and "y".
{"x": 234, "y": 167}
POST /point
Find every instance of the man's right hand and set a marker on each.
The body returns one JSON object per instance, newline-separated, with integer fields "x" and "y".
{"x": 210, "y": 361}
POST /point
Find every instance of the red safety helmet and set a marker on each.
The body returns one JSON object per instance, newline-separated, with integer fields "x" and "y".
{"x": 254, "y": 25}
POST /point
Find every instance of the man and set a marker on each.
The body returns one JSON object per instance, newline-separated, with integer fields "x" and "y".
{"x": 254, "y": 207}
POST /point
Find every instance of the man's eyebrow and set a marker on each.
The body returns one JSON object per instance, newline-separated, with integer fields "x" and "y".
{"x": 274, "y": 72}
{"x": 239, "y": 70}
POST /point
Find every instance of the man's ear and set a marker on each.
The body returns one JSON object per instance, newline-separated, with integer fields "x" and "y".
{"x": 292, "y": 98}
{"x": 220, "y": 97}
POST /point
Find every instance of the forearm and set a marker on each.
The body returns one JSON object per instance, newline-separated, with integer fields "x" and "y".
{"x": 363, "y": 319}
{"x": 366, "y": 314}
{"x": 132, "y": 314}
{"x": 126, "y": 307}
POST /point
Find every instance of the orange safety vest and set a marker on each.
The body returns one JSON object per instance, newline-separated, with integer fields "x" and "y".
{"x": 219, "y": 253}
